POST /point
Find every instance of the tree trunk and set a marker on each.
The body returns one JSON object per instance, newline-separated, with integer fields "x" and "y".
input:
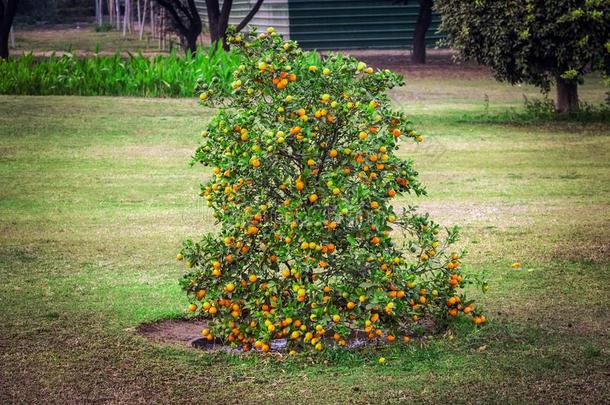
{"x": 218, "y": 19}
{"x": 567, "y": 96}
{"x": 191, "y": 43}
{"x": 424, "y": 19}
{"x": 97, "y": 12}
{"x": 7, "y": 13}
{"x": 143, "y": 21}
{"x": 118, "y": 14}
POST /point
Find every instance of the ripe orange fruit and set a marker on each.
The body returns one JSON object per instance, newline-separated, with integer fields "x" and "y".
{"x": 351, "y": 305}
{"x": 333, "y": 153}
{"x": 192, "y": 308}
{"x": 311, "y": 162}
{"x": 313, "y": 198}
{"x": 213, "y": 310}
{"x": 200, "y": 294}
{"x": 362, "y": 135}
{"x": 396, "y": 132}
{"x": 391, "y": 193}
{"x": 375, "y": 240}
{"x": 282, "y": 84}
{"x": 374, "y": 205}
{"x": 390, "y": 338}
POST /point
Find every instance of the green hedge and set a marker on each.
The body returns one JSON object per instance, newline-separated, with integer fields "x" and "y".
{"x": 137, "y": 75}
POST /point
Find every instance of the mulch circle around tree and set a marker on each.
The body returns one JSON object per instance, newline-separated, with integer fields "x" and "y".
{"x": 187, "y": 333}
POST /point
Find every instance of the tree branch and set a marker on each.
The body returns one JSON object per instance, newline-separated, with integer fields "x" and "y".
{"x": 195, "y": 19}
{"x": 181, "y": 27}
{"x": 250, "y": 15}
{"x": 224, "y": 17}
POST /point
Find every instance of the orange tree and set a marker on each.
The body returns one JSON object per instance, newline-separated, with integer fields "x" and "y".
{"x": 304, "y": 173}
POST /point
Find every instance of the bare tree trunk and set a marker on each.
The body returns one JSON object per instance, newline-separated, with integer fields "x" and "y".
{"x": 153, "y": 19}
{"x": 143, "y": 22}
{"x": 110, "y": 12}
{"x": 139, "y": 11}
{"x": 7, "y": 13}
{"x": 12, "y": 37}
{"x": 97, "y": 12}
{"x": 567, "y": 96}
{"x": 118, "y": 14}
{"x": 424, "y": 19}
{"x": 162, "y": 30}
{"x": 125, "y": 17}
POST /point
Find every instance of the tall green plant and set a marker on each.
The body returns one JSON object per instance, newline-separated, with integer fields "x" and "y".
{"x": 136, "y": 75}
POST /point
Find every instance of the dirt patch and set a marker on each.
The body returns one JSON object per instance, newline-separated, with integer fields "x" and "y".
{"x": 173, "y": 331}
{"x": 187, "y": 333}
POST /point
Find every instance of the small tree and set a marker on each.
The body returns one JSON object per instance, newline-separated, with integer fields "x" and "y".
{"x": 7, "y": 14}
{"x": 304, "y": 173}
{"x": 536, "y": 42}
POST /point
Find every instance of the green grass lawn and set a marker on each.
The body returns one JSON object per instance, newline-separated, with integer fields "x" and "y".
{"x": 82, "y": 37}
{"x": 96, "y": 195}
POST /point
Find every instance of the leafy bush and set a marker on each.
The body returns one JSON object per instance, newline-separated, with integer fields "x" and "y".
{"x": 304, "y": 172}
{"x": 137, "y": 75}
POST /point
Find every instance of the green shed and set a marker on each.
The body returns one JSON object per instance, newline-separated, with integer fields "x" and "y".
{"x": 338, "y": 24}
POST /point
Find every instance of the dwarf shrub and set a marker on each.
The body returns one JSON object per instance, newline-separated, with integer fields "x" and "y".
{"x": 310, "y": 247}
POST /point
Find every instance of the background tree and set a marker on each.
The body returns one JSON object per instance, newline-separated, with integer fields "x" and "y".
{"x": 7, "y": 14}
{"x": 540, "y": 43}
{"x": 218, "y": 18}
{"x": 185, "y": 20}
{"x": 424, "y": 20}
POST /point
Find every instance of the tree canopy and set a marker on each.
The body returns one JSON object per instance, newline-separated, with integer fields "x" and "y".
{"x": 541, "y": 43}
